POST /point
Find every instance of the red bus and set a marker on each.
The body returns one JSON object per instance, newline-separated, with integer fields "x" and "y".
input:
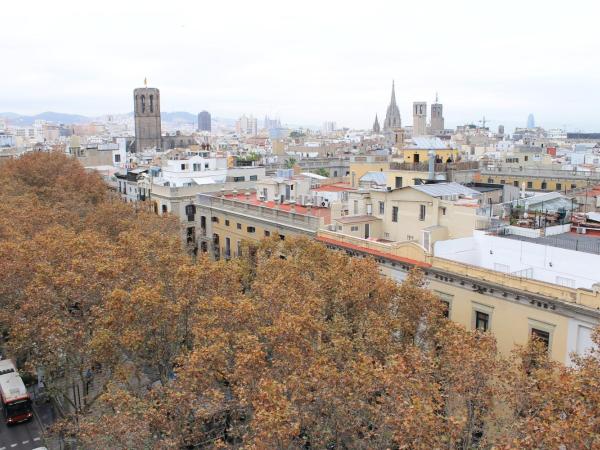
{"x": 16, "y": 402}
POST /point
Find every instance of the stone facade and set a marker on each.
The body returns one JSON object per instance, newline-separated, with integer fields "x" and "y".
{"x": 147, "y": 118}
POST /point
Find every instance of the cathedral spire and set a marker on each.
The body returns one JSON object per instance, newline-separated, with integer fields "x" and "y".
{"x": 392, "y": 116}
{"x": 376, "y": 127}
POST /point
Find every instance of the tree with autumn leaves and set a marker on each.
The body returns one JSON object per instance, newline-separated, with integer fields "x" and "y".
{"x": 289, "y": 346}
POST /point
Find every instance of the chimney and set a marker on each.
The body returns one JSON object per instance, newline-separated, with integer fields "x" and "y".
{"x": 431, "y": 164}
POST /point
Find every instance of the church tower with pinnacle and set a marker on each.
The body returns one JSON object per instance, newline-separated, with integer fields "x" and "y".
{"x": 376, "y": 127}
{"x": 392, "y": 116}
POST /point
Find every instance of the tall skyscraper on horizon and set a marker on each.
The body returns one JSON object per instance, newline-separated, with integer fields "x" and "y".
{"x": 204, "y": 121}
{"x": 419, "y": 118}
{"x": 392, "y": 116}
{"x": 437, "y": 116}
{"x": 147, "y": 118}
{"x": 530, "y": 121}
{"x": 246, "y": 125}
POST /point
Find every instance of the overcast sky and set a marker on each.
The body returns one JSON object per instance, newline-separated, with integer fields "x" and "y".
{"x": 307, "y": 61}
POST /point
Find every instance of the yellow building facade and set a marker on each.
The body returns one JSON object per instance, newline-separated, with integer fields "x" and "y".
{"x": 514, "y": 308}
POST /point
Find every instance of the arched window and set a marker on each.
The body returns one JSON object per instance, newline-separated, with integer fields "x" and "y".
{"x": 151, "y": 103}
{"x": 143, "y": 103}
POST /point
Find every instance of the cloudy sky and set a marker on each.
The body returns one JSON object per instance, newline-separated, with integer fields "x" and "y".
{"x": 307, "y": 61}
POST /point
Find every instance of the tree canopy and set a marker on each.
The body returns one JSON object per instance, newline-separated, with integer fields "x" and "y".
{"x": 289, "y": 346}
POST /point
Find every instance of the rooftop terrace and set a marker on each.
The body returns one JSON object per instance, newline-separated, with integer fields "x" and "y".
{"x": 308, "y": 218}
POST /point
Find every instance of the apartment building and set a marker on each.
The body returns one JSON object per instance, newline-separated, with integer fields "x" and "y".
{"x": 420, "y": 213}
{"x": 421, "y": 148}
{"x": 541, "y": 179}
{"x": 510, "y": 288}
{"x": 226, "y": 219}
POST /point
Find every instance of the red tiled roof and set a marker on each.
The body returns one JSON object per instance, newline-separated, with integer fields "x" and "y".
{"x": 251, "y": 199}
{"x": 335, "y": 188}
{"x": 373, "y": 252}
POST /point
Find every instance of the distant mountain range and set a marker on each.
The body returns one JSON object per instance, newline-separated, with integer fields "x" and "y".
{"x": 20, "y": 120}
{"x": 67, "y": 119}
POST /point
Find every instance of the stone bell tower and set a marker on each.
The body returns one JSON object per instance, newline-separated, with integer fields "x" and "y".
{"x": 147, "y": 118}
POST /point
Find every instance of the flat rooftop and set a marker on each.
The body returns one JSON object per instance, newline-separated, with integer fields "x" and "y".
{"x": 337, "y": 187}
{"x": 589, "y": 243}
{"x": 251, "y": 199}
{"x": 536, "y": 259}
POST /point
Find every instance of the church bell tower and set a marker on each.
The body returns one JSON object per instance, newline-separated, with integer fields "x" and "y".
{"x": 147, "y": 118}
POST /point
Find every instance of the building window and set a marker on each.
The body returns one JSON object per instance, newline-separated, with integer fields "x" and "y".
{"x": 239, "y": 226}
{"x": 183, "y": 167}
{"x": 205, "y": 166}
{"x": 542, "y": 331}
{"x": 282, "y": 237}
{"x": 253, "y": 177}
{"x": 502, "y": 181}
{"x": 529, "y": 185}
{"x": 355, "y": 207}
{"x": 226, "y": 222}
{"x": 394, "y": 214}
{"x": 214, "y": 219}
{"x": 542, "y": 336}
{"x": 151, "y": 103}
{"x": 117, "y": 158}
{"x": 227, "y": 247}
{"x": 544, "y": 185}
{"x": 446, "y": 300}
{"x": 250, "y": 229}
{"x": 164, "y": 209}
{"x": 422, "y": 211}
{"x": 482, "y": 321}
{"x": 238, "y": 179}
{"x": 573, "y": 185}
{"x": 267, "y": 233}
{"x": 558, "y": 186}
{"x": 446, "y": 310}
{"x": 381, "y": 207}
{"x": 443, "y": 210}
{"x": 354, "y": 228}
{"x": 515, "y": 183}
{"x": 490, "y": 180}
{"x": 526, "y": 158}
{"x": 398, "y": 182}
{"x": 190, "y": 211}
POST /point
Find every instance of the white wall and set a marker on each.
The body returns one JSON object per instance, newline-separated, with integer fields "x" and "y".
{"x": 550, "y": 264}
{"x": 579, "y": 338}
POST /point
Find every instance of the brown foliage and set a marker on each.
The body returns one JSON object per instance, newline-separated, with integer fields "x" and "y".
{"x": 290, "y": 346}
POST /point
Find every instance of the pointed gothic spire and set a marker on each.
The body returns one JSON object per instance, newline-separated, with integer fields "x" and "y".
{"x": 392, "y": 116}
{"x": 376, "y": 127}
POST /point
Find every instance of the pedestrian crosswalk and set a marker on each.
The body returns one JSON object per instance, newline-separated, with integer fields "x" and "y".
{"x": 23, "y": 444}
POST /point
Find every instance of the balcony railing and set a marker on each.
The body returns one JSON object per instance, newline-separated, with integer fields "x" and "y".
{"x": 438, "y": 167}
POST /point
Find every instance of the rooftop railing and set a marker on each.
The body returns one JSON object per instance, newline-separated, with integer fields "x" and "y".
{"x": 438, "y": 167}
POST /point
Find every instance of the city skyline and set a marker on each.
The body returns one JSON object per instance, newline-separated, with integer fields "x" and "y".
{"x": 479, "y": 62}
